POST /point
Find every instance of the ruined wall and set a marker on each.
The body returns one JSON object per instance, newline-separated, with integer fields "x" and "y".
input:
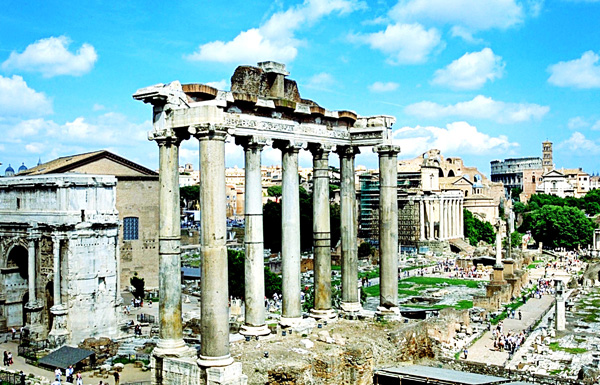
{"x": 139, "y": 198}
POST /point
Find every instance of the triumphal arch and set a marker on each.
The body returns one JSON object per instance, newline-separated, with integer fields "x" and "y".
{"x": 263, "y": 108}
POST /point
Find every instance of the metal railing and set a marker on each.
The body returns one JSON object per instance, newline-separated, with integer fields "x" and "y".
{"x": 146, "y": 318}
{"x": 10, "y": 378}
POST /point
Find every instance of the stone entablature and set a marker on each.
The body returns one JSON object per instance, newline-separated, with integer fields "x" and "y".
{"x": 58, "y": 256}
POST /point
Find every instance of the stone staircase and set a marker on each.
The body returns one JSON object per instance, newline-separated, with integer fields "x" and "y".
{"x": 462, "y": 245}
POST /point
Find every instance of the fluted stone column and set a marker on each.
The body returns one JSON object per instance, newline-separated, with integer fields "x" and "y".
{"x": 33, "y": 307}
{"x": 350, "y": 300}
{"x": 421, "y": 220}
{"x": 254, "y": 266}
{"x": 214, "y": 307}
{"x": 170, "y": 341}
{"x": 442, "y": 228}
{"x": 58, "y": 335}
{"x": 290, "y": 235}
{"x": 431, "y": 221}
{"x": 321, "y": 234}
{"x": 461, "y": 225}
{"x": 388, "y": 228}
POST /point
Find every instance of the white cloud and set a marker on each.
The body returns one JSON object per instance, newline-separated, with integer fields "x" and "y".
{"x": 35, "y": 148}
{"x": 579, "y": 73}
{"x": 220, "y": 85}
{"x": 403, "y": 43}
{"x": 275, "y": 39}
{"x": 51, "y": 57}
{"x": 17, "y": 99}
{"x": 480, "y": 107}
{"x": 471, "y": 15}
{"x": 322, "y": 80}
{"x": 457, "y": 137}
{"x": 98, "y": 107}
{"x": 466, "y": 35}
{"x": 383, "y": 87}
{"x": 577, "y": 122}
{"x": 578, "y": 144}
{"x": 31, "y": 127}
{"x": 596, "y": 126}
{"x": 471, "y": 71}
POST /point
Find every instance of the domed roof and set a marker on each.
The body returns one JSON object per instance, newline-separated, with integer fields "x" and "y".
{"x": 23, "y": 167}
{"x": 9, "y": 171}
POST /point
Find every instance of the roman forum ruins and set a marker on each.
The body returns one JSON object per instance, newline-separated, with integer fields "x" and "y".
{"x": 263, "y": 108}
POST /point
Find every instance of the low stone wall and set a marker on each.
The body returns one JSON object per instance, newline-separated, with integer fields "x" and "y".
{"x": 500, "y": 371}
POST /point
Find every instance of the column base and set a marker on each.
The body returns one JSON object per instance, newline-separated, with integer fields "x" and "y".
{"x": 285, "y": 322}
{"x": 215, "y": 362}
{"x": 224, "y": 375}
{"x": 171, "y": 370}
{"x": 173, "y": 348}
{"x": 388, "y": 314}
{"x": 249, "y": 330}
{"x": 350, "y": 310}
{"x": 59, "y": 334}
{"x": 327, "y": 315}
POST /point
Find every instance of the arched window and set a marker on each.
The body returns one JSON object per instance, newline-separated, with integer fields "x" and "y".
{"x": 533, "y": 179}
{"x": 130, "y": 228}
{"x": 450, "y": 173}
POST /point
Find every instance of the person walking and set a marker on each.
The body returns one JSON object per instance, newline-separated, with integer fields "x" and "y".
{"x": 520, "y": 315}
{"x": 69, "y": 374}
{"x": 57, "y": 374}
{"x": 117, "y": 377}
{"x": 5, "y": 361}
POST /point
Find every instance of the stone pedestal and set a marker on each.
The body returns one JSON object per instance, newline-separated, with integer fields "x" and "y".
{"x": 59, "y": 334}
{"x": 509, "y": 268}
{"x": 327, "y": 315}
{"x": 498, "y": 275}
{"x": 249, "y": 330}
{"x": 37, "y": 331}
{"x": 224, "y": 375}
{"x": 388, "y": 314}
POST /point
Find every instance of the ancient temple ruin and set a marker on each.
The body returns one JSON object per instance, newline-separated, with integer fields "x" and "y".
{"x": 263, "y": 108}
{"x": 58, "y": 256}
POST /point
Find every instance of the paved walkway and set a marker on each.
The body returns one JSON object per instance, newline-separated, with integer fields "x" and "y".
{"x": 483, "y": 349}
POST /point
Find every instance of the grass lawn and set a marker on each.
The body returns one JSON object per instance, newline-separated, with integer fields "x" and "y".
{"x": 554, "y": 346}
{"x": 435, "y": 281}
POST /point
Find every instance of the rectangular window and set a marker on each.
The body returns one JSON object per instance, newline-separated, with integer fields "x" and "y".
{"x": 130, "y": 228}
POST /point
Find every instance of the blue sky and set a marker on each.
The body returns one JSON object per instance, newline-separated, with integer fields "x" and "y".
{"x": 482, "y": 80}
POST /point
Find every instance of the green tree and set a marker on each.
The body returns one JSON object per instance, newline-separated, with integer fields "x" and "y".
{"x": 335, "y": 223}
{"x": 519, "y": 208}
{"x": 515, "y": 192}
{"x": 236, "y": 272}
{"x": 138, "y": 285}
{"x": 273, "y": 283}
{"x": 476, "y": 230}
{"x": 236, "y": 276}
{"x": 558, "y": 226}
{"x": 275, "y": 191}
{"x": 272, "y": 226}
{"x": 364, "y": 250}
{"x": 189, "y": 196}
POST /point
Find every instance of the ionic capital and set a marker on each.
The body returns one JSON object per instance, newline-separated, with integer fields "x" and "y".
{"x": 320, "y": 149}
{"x": 289, "y": 145}
{"x": 384, "y": 149}
{"x": 347, "y": 151}
{"x": 209, "y": 131}
{"x": 253, "y": 142}
{"x": 166, "y": 136}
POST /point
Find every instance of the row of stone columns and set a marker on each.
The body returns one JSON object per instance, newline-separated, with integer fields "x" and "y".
{"x": 450, "y": 218}
{"x": 214, "y": 300}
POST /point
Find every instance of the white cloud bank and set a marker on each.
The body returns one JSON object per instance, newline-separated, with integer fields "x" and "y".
{"x": 457, "y": 137}
{"x": 469, "y": 15}
{"x": 275, "y": 39}
{"x": 17, "y": 99}
{"x": 383, "y": 87}
{"x": 579, "y": 73}
{"x": 579, "y": 145}
{"x": 51, "y": 57}
{"x": 403, "y": 43}
{"x": 480, "y": 107}
{"x": 471, "y": 71}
